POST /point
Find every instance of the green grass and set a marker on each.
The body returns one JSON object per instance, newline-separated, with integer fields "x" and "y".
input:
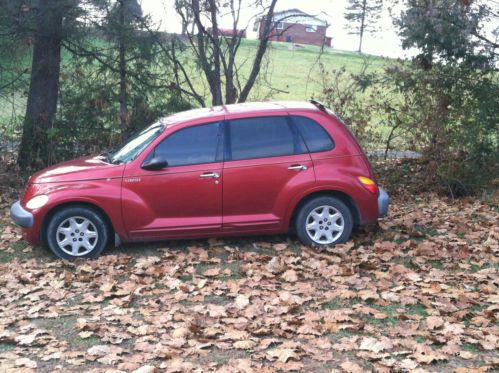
{"x": 426, "y": 230}
{"x": 333, "y": 304}
{"x": 417, "y": 309}
{"x": 471, "y": 347}
{"x": 75, "y": 341}
{"x": 406, "y": 261}
{"x": 391, "y": 314}
{"x": 342, "y": 334}
{"x": 6, "y": 347}
{"x": 13, "y": 252}
{"x": 293, "y": 71}
{"x": 437, "y": 264}
{"x": 185, "y": 278}
{"x": 6, "y": 257}
{"x": 217, "y": 299}
{"x": 475, "y": 267}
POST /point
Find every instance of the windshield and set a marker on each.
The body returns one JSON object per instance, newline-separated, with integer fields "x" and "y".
{"x": 136, "y": 144}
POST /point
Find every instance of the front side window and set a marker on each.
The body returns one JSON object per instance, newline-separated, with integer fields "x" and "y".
{"x": 192, "y": 145}
{"x": 131, "y": 148}
{"x": 261, "y": 137}
{"x": 316, "y": 138}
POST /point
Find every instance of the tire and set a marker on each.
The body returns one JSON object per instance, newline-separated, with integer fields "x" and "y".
{"x": 330, "y": 224}
{"x": 77, "y": 232}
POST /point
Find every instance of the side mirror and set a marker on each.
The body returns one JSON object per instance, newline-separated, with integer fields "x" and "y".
{"x": 156, "y": 163}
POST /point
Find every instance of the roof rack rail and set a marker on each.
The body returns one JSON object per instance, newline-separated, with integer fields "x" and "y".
{"x": 318, "y": 104}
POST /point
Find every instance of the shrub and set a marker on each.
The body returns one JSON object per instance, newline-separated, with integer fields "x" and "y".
{"x": 88, "y": 115}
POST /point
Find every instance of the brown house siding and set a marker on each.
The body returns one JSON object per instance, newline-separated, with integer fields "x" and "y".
{"x": 296, "y": 33}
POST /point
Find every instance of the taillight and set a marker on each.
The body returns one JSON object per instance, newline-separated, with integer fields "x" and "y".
{"x": 369, "y": 184}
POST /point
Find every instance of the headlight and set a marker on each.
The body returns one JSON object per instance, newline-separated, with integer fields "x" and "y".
{"x": 37, "y": 202}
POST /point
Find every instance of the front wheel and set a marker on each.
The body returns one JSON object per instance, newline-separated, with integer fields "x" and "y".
{"x": 324, "y": 221}
{"x": 77, "y": 232}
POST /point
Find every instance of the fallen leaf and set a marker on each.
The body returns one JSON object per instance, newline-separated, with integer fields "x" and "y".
{"x": 371, "y": 344}
{"x": 351, "y": 367}
{"x": 283, "y": 354}
{"x": 85, "y": 334}
{"x": 146, "y": 369}
{"x": 25, "y": 362}
{"x": 244, "y": 345}
{"x": 212, "y": 272}
{"x": 290, "y": 275}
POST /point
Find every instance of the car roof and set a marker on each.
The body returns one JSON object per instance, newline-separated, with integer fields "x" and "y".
{"x": 242, "y": 108}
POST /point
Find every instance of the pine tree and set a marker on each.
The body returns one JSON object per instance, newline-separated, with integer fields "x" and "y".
{"x": 363, "y": 15}
{"x": 44, "y": 86}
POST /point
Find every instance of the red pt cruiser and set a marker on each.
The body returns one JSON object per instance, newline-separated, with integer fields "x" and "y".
{"x": 230, "y": 170}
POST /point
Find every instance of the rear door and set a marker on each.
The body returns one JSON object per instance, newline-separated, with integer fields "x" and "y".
{"x": 266, "y": 165}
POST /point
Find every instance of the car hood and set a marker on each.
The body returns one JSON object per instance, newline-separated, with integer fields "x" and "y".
{"x": 84, "y": 168}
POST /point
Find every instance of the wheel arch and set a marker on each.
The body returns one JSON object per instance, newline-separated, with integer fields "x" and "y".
{"x": 348, "y": 200}
{"x": 56, "y": 208}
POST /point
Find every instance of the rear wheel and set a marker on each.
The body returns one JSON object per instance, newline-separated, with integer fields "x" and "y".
{"x": 77, "y": 232}
{"x": 324, "y": 221}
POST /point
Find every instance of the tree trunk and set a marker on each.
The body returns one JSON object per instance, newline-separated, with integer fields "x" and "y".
{"x": 44, "y": 86}
{"x": 362, "y": 24}
{"x": 233, "y": 45}
{"x": 211, "y": 67}
{"x": 124, "y": 116}
{"x": 262, "y": 48}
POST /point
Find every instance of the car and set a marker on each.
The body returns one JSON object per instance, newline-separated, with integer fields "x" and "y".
{"x": 242, "y": 169}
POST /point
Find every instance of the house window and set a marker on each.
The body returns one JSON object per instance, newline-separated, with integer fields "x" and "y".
{"x": 311, "y": 28}
{"x": 256, "y": 26}
{"x": 279, "y": 25}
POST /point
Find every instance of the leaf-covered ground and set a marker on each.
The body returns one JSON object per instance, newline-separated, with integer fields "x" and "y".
{"x": 418, "y": 293}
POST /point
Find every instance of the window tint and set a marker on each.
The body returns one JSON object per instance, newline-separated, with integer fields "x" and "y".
{"x": 261, "y": 137}
{"x": 316, "y": 138}
{"x": 193, "y": 145}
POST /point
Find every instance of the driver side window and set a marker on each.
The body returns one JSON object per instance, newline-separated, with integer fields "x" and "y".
{"x": 192, "y": 145}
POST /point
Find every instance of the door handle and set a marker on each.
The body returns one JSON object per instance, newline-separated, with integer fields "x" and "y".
{"x": 298, "y": 167}
{"x": 210, "y": 174}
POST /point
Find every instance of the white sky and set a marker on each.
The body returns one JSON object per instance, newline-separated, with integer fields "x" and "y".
{"x": 385, "y": 42}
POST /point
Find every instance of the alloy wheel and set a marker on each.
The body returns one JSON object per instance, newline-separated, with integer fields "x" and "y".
{"x": 324, "y": 225}
{"x": 77, "y": 236}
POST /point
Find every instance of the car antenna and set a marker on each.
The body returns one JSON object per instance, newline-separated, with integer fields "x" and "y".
{"x": 318, "y": 104}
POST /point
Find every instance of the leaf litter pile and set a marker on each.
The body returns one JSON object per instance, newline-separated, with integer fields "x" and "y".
{"x": 418, "y": 293}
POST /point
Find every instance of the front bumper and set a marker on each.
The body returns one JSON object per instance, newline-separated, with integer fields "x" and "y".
{"x": 20, "y": 216}
{"x": 383, "y": 202}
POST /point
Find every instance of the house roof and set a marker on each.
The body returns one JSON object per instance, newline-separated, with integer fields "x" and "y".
{"x": 298, "y": 16}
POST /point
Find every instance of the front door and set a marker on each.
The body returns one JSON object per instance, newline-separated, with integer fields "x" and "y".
{"x": 267, "y": 165}
{"x": 184, "y": 198}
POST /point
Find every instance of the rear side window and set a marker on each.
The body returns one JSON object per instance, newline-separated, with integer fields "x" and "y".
{"x": 192, "y": 145}
{"x": 316, "y": 138}
{"x": 261, "y": 137}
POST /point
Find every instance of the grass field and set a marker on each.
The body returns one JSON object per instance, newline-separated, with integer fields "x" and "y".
{"x": 292, "y": 72}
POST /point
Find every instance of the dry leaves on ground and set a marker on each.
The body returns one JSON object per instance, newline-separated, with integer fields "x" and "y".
{"x": 417, "y": 293}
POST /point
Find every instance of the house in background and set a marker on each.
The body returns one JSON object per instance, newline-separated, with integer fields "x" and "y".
{"x": 295, "y": 26}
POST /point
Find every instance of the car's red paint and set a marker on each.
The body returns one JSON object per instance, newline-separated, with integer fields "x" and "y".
{"x": 172, "y": 203}
{"x": 101, "y": 190}
{"x": 250, "y": 196}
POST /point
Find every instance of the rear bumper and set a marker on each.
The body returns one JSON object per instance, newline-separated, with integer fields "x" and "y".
{"x": 383, "y": 202}
{"x": 20, "y": 216}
